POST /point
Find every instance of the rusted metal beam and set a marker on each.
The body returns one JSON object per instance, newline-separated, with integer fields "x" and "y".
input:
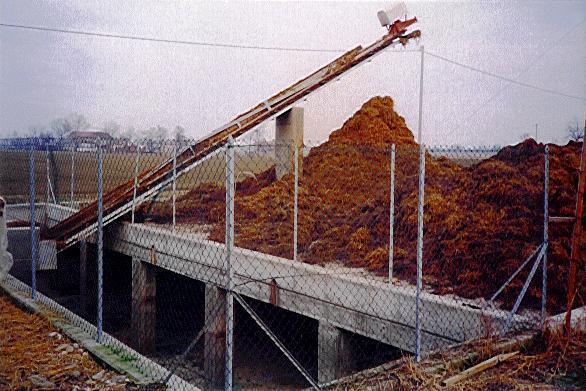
{"x": 562, "y": 219}
{"x": 68, "y": 231}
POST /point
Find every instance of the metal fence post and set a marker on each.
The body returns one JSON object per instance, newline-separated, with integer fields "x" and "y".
{"x": 230, "y": 192}
{"x": 174, "y": 180}
{"x": 295, "y": 202}
{"x": 100, "y": 243}
{"x": 48, "y": 175}
{"x": 419, "y": 135}
{"x": 419, "y": 252}
{"x": 72, "y": 185}
{"x": 136, "y": 163}
{"x": 50, "y": 191}
{"x": 32, "y": 196}
{"x": 545, "y": 235}
{"x": 392, "y": 215}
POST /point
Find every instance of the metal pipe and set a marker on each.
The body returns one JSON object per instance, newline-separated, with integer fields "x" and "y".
{"x": 498, "y": 292}
{"x": 419, "y": 136}
{"x": 545, "y": 235}
{"x": 48, "y": 178}
{"x": 267, "y": 330}
{"x": 419, "y": 252}
{"x": 392, "y": 215}
{"x": 420, "y": 212}
{"x": 136, "y": 164}
{"x": 295, "y": 203}
{"x": 524, "y": 289}
{"x": 32, "y": 196}
{"x": 230, "y": 190}
{"x": 174, "y": 181}
{"x": 72, "y": 184}
{"x": 100, "y": 243}
{"x": 50, "y": 190}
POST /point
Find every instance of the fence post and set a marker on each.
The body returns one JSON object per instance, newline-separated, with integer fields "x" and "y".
{"x": 174, "y": 180}
{"x": 419, "y": 135}
{"x": 295, "y": 201}
{"x": 230, "y": 191}
{"x": 136, "y": 163}
{"x": 100, "y": 242}
{"x": 419, "y": 252}
{"x": 50, "y": 191}
{"x": 72, "y": 185}
{"x": 545, "y": 235}
{"x": 392, "y": 215}
{"x": 32, "y": 196}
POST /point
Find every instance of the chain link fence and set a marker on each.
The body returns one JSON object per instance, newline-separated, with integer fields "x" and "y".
{"x": 280, "y": 266}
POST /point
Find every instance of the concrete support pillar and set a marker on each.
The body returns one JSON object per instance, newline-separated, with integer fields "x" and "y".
{"x": 144, "y": 315}
{"x": 215, "y": 335}
{"x": 333, "y": 352}
{"x": 288, "y": 135}
{"x": 84, "y": 275}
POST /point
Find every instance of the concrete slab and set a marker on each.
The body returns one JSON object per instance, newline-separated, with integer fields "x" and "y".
{"x": 368, "y": 307}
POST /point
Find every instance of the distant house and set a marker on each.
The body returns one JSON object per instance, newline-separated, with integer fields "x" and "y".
{"x": 87, "y": 140}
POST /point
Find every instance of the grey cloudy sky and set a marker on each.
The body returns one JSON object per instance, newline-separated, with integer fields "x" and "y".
{"x": 46, "y": 75}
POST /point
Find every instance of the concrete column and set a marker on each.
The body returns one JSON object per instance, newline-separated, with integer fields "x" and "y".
{"x": 84, "y": 274}
{"x": 288, "y": 135}
{"x": 215, "y": 335}
{"x": 333, "y": 352}
{"x": 144, "y": 315}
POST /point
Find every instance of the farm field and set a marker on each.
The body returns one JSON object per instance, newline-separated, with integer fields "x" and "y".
{"x": 117, "y": 169}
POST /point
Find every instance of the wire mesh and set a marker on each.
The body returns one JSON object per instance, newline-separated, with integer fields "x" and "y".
{"x": 313, "y": 299}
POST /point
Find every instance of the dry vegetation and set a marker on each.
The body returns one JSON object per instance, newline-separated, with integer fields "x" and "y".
{"x": 34, "y": 355}
{"x": 549, "y": 362}
{"x": 481, "y": 220}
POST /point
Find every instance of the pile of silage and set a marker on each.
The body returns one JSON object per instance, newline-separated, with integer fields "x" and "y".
{"x": 481, "y": 220}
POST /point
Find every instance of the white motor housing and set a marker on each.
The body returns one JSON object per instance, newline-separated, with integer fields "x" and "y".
{"x": 388, "y": 16}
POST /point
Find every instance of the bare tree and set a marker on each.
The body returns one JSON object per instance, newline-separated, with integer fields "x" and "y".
{"x": 112, "y": 128}
{"x": 156, "y": 133}
{"x": 179, "y": 133}
{"x": 37, "y": 131}
{"x": 73, "y": 123}
{"x": 78, "y": 122}
{"x": 130, "y": 133}
{"x": 61, "y": 127}
{"x": 575, "y": 132}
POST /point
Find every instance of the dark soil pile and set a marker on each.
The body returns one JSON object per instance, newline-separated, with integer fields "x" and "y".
{"x": 481, "y": 220}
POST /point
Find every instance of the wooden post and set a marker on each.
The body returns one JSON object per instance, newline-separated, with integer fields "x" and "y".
{"x": 576, "y": 235}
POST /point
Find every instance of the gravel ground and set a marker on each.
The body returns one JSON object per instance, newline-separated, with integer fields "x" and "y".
{"x": 34, "y": 355}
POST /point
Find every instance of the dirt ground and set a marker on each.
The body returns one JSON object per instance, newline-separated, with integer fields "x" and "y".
{"x": 34, "y": 355}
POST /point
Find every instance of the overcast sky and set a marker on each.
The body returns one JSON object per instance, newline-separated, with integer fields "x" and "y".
{"x": 46, "y": 75}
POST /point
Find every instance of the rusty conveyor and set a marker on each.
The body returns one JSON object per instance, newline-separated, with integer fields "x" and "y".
{"x": 119, "y": 201}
